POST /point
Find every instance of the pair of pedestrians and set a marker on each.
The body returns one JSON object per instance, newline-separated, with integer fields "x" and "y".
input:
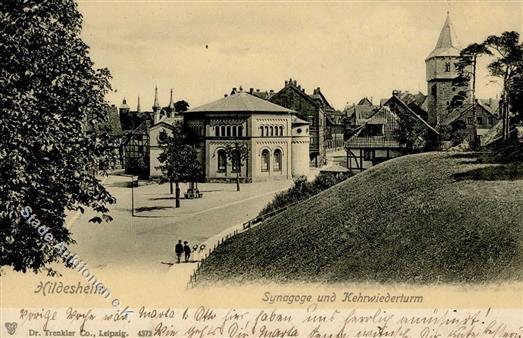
{"x": 180, "y": 249}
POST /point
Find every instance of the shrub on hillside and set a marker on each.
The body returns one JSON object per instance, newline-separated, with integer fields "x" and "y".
{"x": 303, "y": 189}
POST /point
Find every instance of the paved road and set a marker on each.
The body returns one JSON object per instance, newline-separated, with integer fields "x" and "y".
{"x": 147, "y": 240}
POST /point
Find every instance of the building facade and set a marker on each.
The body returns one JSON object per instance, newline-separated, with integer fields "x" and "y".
{"x": 141, "y": 132}
{"x": 310, "y": 108}
{"x": 276, "y": 139}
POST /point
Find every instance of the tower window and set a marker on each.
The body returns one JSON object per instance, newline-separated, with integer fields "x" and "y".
{"x": 447, "y": 67}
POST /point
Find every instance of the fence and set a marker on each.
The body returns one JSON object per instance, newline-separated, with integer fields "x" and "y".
{"x": 245, "y": 227}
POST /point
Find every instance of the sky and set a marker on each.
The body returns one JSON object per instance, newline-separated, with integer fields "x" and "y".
{"x": 348, "y": 49}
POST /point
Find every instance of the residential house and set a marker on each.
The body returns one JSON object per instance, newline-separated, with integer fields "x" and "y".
{"x": 379, "y": 137}
{"x": 309, "y": 108}
{"x": 462, "y": 118}
{"x": 141, "y": 132}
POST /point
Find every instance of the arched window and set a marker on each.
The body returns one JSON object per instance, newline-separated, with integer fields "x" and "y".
{"x": 277, "y": 160}
{"x": 447, "y": 67}
{"x": 222, "y": 161}
{"x": 228, "y": 133}
{"x": 240, "y": 131}
{"x": 265, "y": 160}
{"x": 261, "y": 131}
{"x": 272, "y": 131}
{"x": 233, "y": 130}
{"x": 281, "y": 130}
{"x": 217, "y": 131}
{"x": 222, "y": 131}
{"x": 266, "y": 130}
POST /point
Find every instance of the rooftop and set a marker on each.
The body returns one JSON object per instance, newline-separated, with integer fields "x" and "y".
{"x": 448, "y": 44}
{"x": 241, "y": 102}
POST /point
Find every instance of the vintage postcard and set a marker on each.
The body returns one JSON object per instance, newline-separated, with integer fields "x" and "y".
{"x": 323, "y": 169}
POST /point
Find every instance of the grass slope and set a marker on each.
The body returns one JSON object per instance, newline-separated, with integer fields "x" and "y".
{"x": 422, "y": 218}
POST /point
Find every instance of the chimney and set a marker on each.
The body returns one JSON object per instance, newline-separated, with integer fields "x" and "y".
{"x": 251, "y": 90}
{"x": 233, "y": 91}
{"x": 299, "y": 87}
{"x": 241, "y": 89}
{"x": 295, "y": 82}
{"x": 286, "y": 83}
{"x": 395, "y": 92}
{"x": 138, "y": 109}
{"x": 371, "y": 99}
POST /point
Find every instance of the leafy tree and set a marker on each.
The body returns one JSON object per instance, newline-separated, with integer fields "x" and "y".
{"x": 181, "y": 106}
{"x": 179, "y": 161}
{"x": 466, "y": 67}
{"x": 237, "y": 154}
{"x": 508, "y": 66}
{"x": 52, "y": 100}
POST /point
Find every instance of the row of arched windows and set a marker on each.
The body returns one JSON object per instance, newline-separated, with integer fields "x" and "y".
{"x": 266, "y": 160}
{"x": 227, "y": 131}
{"x": 196, "y": 130}
{"x": 271, "y": 130}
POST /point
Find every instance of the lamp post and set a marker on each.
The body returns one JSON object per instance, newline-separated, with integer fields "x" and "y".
{"x": 132, "y": 195}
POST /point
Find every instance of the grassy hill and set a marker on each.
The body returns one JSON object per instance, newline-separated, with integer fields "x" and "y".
{"x": 422, "y": 218}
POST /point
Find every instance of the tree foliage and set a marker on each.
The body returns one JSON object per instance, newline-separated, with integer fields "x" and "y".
{"x": 52, "y": 100}
{"x": 303, "y": 189}
{"x": 181, "y": 106}
{"x": 237, "y": 154}
{"x": 178, "y": 160}
{"x": 508, "y": 66}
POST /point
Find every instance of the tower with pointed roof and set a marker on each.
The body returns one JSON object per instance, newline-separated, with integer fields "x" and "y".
{"x": 441, "y": 71}
{"x": 156, "y": 107}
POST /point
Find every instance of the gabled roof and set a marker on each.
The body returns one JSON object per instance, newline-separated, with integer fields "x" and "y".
{"x": 318, "y": 95}
{"x": 364, "y": 102}
{"x": 240, "y": 102}
{"x": 361, "y": 111}
{"x": 448, "y": 44}
{"x": 460, "y": 111}
{"x": 297, "y": 90}
{"x": 399, "y": 101}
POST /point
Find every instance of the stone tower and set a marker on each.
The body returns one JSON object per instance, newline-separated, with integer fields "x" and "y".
{"x": 441, "y": 72}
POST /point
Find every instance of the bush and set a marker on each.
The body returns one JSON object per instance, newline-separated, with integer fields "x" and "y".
{"x": 303, "y": 189}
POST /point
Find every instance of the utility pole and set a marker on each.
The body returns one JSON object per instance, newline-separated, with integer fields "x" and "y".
{"x": 474, "y": 123}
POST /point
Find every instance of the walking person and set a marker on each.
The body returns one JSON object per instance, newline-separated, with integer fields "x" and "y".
{"x": 179, "y": 250}
{"x": 187, "y": 250}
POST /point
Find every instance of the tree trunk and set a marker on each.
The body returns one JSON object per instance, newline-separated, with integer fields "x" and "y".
{"x": 238, "y": 179}
{"x": 177, "y": 195}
